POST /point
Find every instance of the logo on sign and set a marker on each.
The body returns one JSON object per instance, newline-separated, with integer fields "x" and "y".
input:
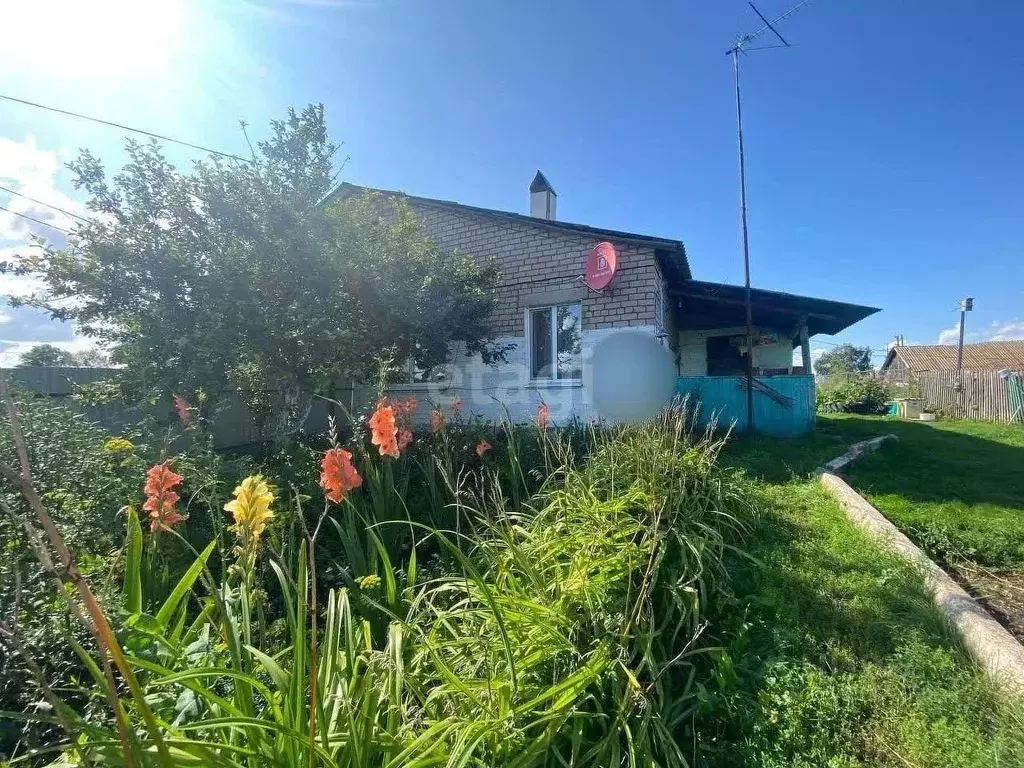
{"x": 601, "y": 265}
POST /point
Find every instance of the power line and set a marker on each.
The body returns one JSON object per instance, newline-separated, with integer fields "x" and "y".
{"x": 48, "y": 205}
{"x": 123, "y": 127}
{"x": 37, "y": 221}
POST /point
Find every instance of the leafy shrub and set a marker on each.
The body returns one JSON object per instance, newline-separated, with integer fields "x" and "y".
{"x": 854, "y": 394}
{"x": 87, "y": 479}
{"x": 84, "y": 478}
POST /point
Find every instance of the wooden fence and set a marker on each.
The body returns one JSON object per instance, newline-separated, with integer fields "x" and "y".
{"x": 983, "y": 395}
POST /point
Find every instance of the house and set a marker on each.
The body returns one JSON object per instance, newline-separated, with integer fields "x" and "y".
{"x": 906, "y": 360}
{"x": 553, "y": 320}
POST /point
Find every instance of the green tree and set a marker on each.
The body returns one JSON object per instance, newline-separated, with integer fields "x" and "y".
{"x": 845, "y": 358}
{"x": 91, "y": 358}
{"x": 235, "y": 277}
{"x": 47, "y": 356}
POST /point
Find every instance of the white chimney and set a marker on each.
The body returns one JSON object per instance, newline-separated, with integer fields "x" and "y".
{"x": 542, "y": 198}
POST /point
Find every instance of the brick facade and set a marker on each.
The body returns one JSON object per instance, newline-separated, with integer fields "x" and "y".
{"x": 541, "y": 264}
{"x": 537, "y": 260}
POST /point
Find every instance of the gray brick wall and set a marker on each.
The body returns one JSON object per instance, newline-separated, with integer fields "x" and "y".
{"x": 536, "y": 259}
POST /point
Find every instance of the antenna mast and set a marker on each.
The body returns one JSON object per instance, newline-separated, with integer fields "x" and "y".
{"x": 742, "y": 45}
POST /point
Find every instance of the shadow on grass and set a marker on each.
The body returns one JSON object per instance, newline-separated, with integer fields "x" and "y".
{"x": 974, "y": 463}
{"x": 820, "y": 587}
{"x": 832, "y": 651}
{"x": 939, "y": 465}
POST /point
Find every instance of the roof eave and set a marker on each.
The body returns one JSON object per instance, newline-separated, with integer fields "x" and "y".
{"x": 826, "y": 315}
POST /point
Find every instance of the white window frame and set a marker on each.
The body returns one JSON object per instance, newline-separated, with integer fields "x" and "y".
{"x": 554, "y": 379}
{"x": 410, "y": 369}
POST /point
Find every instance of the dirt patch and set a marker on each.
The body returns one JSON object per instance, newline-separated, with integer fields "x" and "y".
{"x": 1002, "y": 594}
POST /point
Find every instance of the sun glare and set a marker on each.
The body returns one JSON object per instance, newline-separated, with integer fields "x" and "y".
{"x": 93, "y": 39}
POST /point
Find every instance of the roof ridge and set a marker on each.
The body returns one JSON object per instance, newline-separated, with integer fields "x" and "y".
{"x": 507, "y": 214}
{"x": 614, "y": 234}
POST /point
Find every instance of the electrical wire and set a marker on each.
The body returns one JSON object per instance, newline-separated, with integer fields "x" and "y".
{"x": 37, "y": 221}
{"x": 124, "y": 127}
{"x": 48, "y": 205}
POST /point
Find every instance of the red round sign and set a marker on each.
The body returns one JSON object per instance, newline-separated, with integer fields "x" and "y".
{"x": 601, "y": 265}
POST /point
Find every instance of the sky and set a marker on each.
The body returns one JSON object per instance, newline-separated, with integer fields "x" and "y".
{"x": 884, "y": 150}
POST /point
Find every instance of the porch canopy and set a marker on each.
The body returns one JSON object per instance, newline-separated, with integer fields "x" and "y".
{"x": 702, "y": 305}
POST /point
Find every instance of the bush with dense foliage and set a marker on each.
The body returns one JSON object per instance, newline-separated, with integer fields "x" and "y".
{"x": 238, "y": 278}
{"x": 853, "y": 394}
{"x": 87, "y": 479}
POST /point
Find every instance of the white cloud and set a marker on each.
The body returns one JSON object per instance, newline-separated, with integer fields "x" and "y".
{"x": 1008, "y": 331}
{"x": 18, "y": 285}
{"x": 32, "y": 172}
{"x": 949, "y": 335}
{"x": 25, "y": 162}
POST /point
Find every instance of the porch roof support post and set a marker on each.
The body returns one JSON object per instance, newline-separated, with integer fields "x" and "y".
{"x": 805, "y": 348}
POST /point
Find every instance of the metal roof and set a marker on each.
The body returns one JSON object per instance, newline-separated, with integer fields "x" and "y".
{"x": 711, "y": 305}
{"x": 674, "y": 249}
{"x": 981, "y": 356}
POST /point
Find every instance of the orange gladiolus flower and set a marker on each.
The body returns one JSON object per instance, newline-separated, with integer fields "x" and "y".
{"x": 404, "y": 437}
{"x": 483, "y": 447}
{"x": 337, "y": 474}
{"x": 182, "y": 407}
{"x": 436, "y": 420}
{"x": 383, "y": 432}
{"x": 405, "y": 407}
{"x": 542, "y": 416}
{"x": 161, "y": 496}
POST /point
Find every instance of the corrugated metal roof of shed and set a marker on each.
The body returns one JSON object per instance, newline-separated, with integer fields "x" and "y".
{"x": 981, "y": 356}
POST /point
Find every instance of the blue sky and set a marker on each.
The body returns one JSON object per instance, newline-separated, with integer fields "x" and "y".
{"x": 884, "y": 149}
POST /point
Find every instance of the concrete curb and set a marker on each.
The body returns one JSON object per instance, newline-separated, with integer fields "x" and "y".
{"x": 993, "y": 648}
{"x": 857, "y": 450}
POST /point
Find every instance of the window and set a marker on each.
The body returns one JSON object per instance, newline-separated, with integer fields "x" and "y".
{"x": 414, "y": 373}
{"x": 413, "y": 370}
{"x": 556, "y": 349}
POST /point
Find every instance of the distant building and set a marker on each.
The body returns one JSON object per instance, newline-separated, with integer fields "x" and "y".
{"x": 904, "y": 360}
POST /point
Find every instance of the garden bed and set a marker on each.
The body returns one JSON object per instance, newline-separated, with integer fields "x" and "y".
{"x": 627, "y": 596}
{"x": 1001, "y": 592}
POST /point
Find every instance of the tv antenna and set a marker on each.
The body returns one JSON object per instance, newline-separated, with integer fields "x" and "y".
{"x": 742, "y": 45}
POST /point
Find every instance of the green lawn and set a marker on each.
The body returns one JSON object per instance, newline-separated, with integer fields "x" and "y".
{"x": 956, "y": 487}
{"x": 832, "y": 652}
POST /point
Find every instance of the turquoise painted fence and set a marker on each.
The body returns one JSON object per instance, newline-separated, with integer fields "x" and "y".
{"x": 788, "y": 412}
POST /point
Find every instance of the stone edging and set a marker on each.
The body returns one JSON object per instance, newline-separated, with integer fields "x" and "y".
{"x": 993, "y": 648}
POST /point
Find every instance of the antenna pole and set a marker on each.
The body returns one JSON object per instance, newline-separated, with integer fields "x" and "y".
{"x": 746, "y": 246}
{"x": 740, "y": 46}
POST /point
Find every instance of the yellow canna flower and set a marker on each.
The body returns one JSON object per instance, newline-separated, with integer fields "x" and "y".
{"x": 251, "y": 508}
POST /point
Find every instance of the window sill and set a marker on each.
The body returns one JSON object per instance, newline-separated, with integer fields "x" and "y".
{"x": 419, "y": 386}
{"x": 555, "y": 384}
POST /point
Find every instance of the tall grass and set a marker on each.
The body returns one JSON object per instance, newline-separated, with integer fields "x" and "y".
{"x": 559, "y": 628}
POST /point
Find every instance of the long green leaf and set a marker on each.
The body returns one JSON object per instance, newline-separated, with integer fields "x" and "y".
{"x": 166, "y": 612}
{"x": 133, "y": 564}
